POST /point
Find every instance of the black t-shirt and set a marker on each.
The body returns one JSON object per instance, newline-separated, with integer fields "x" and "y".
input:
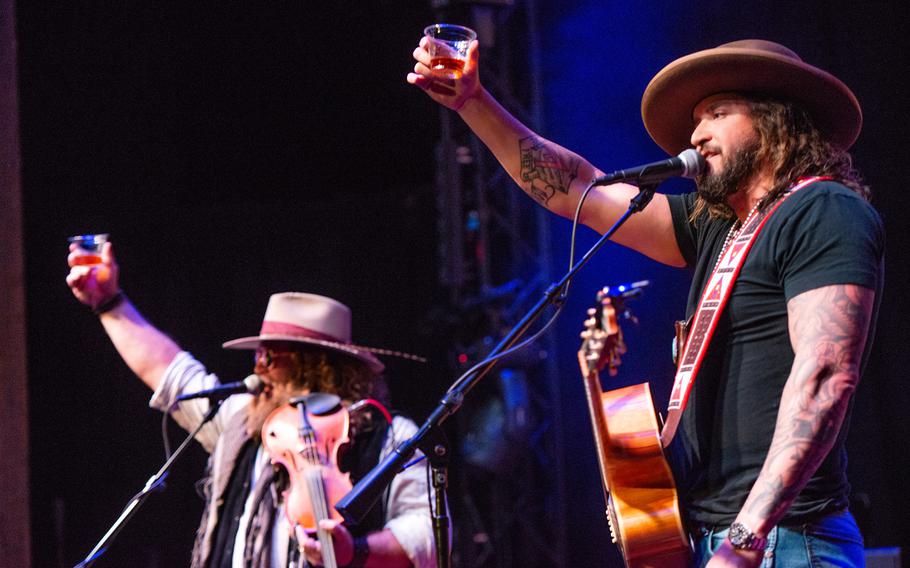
{"x": 824, "y": 234}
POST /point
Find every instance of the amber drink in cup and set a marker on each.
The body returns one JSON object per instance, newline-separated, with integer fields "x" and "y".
{"x": 448, "y": 47}
{"x": 88, "y": 248}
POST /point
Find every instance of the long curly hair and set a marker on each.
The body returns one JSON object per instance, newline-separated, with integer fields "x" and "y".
{"x": 314, "y": 369}
{"x": 792, "y": 147}
{"x": 323, "y": 370}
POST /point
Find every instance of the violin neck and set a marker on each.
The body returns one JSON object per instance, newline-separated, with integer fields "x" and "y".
{"x": 316, "y": 487}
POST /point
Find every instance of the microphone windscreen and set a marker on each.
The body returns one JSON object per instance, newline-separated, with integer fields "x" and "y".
{"x": 693, "y": 162}
{"x": 254, "y": 384}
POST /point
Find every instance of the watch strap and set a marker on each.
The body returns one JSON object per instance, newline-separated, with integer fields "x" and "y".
{"x": 744, "y": 539}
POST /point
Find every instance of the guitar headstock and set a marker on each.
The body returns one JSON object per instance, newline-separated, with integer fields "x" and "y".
{"x": 602, "y": 342}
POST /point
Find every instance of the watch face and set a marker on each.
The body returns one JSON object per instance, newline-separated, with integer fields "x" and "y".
{"x": 739, "y": 535}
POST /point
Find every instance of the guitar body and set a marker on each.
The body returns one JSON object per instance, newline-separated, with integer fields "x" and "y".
{"x": 644, "y": 510}
{"x": 642, "y": 504}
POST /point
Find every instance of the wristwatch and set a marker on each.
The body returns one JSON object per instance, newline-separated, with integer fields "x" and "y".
{"x": 743, "y": 539}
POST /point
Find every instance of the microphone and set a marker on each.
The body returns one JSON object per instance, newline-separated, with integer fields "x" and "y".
{"x": 689, "y": 163}
{"x": 252, "y": 385}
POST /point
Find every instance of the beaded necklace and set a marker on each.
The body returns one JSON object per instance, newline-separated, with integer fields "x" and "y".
{"x": 734, "y": 231}
{"x": 714, "y": 298}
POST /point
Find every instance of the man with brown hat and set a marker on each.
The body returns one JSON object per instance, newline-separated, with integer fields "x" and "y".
{"x": 780, "y": 236}
{"x": 304, "y": 347}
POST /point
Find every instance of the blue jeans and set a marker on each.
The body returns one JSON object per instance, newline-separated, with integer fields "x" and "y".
{"x": 834, "y": 540}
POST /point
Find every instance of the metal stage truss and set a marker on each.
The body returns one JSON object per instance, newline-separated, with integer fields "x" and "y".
{"x": 495, "y": 262}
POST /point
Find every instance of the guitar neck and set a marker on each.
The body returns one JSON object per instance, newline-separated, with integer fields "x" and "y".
{"x": 594, "y": 396}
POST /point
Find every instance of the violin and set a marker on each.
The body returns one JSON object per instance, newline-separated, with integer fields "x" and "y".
{"x": 304, "y": 437}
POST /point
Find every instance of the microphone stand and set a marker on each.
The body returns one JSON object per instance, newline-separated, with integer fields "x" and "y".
{"x": 436, "y": 449}
{"x": 155, "y": 483}
{"x": 357, "y": 503}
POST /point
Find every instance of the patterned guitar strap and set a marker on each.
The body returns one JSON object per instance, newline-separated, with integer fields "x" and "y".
{"x": 714, "y": 298}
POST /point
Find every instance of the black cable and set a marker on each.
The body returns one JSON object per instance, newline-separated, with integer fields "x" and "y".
{"x": 563, "y": 295}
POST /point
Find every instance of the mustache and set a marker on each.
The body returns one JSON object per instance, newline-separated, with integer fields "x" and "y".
{"x": 710, "y": 148}
{"x": 270, "y": 398}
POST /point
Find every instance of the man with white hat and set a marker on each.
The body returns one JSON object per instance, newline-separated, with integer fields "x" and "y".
{"x": 781, "y": 236}
{"x": 304, "y": 346}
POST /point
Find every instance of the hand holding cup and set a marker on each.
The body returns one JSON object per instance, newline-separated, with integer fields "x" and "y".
{"x": 446, "y": 67}
{"x": 94, "y": 276}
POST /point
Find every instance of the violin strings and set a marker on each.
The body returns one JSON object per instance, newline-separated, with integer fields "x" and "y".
{"x": 321, "y": 511}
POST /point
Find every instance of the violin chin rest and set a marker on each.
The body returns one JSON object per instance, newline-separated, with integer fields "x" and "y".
{"x": 318, "y": 403}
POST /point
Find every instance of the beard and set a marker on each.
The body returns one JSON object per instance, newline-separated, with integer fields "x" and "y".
{"x": 739, "y": 167}
{"x": 274, "y": 395}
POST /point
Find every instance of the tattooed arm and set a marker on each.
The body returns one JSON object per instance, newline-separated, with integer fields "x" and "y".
{"x": 552, "y": 175}
{"x": 828, "y": 328}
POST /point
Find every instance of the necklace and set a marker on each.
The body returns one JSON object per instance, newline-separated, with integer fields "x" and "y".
{"x": 735, "y": 229}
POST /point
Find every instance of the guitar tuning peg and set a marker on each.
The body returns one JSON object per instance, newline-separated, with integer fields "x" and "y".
{"x": 592, "y": 311}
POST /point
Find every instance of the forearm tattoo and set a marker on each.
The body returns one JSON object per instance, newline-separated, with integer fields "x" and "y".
{"x": 544, "y": 170}
{"x": 828, "y": 328}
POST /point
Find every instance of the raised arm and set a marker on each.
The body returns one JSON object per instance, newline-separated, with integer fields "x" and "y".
{"x": 552, "y": 175}
{"x": 828, "y": 328}
{"x": 145, "y": 349}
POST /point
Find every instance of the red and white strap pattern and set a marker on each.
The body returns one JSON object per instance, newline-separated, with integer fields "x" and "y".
{"x": 714, "y": 298}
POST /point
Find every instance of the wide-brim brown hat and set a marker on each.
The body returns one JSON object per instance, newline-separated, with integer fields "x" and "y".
{"x": 747, "y": 66}
{"x": 312, "y": 319}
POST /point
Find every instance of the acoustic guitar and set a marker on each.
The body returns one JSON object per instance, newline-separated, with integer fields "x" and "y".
{"x": 642, "y": 506}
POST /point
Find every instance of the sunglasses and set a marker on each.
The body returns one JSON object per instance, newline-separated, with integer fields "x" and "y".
{"x": 268, "y": 355}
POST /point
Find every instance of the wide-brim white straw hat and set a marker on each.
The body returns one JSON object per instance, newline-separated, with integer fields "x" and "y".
{"x": 315, "y": 320}
{"x": 749, "y": 66}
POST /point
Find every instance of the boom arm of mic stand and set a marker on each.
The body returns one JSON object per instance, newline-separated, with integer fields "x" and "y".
{"x": 154, "y": 483}
{"x": 357, "y": 503}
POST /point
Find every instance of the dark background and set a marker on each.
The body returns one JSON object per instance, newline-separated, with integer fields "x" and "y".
{"x": 234, "y": 151}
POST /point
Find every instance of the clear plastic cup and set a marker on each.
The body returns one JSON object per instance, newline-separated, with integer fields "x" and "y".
{"x": 448, "y": 48}
{"x": 88, "y": 248}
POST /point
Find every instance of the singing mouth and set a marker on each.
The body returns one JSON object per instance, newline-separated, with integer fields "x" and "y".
{"x": 712, "y": 165}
